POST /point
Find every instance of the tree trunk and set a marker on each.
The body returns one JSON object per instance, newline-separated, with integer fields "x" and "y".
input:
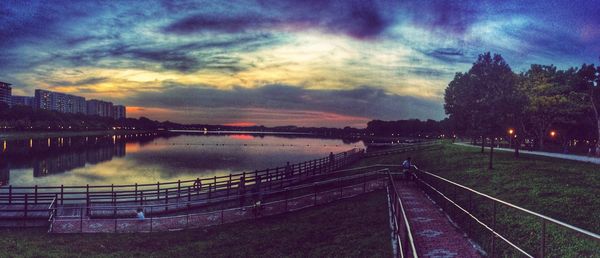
{"x": 491, "y": 152}
{"x": 482, "y": 144}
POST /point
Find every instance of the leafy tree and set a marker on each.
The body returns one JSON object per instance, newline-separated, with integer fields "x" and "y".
{"x": 485, "y": 99}
{"x": 550, "y": 99}
{"x": 588, "y": 84}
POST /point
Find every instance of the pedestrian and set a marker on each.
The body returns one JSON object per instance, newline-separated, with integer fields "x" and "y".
{"x": 140, "y": 214}
{"x": 406, "y": 164}
{"x": 198, "y": 185}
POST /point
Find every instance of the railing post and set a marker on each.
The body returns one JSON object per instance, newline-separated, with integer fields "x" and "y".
{"x": 493, "y": 228}
{"x": 87, "y": 199}
{"x": 543, "y": 238}
{"x": 178, "y": 189}
{"x": 136, "y": 192}
{"x": 35, "y": 199}
{"x": 215, "y": 182}
{"x": 26, "y": 204}
{"x": 158, "y": 190}
{"x": 167, "y": 199}
{"x": 142, "y": 198}
{"x": 62, "y": 194}
{"x": 10, "y": 194}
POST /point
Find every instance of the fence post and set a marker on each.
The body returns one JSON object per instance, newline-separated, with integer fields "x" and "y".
{"x": 142, "y": 198}
{"x": 26, "y": 204}
{"x": 62, "y": 192}
{"x": 178, "y": 189}
{"x": 136, "y": 192}
{"x": 87, "y": 199}
{"x": 36, "y": 195}
{"x": 10, "y": 194}
{"x": 215, "y": 182}
{"x": 543, "y": 247}
{"x": 158, "y": 190}
{"x": 167, "y": 199}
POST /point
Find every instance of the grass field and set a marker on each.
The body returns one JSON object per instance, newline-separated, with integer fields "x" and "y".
{"x": 356, "y": 227}
{"x": 565, "y": 190}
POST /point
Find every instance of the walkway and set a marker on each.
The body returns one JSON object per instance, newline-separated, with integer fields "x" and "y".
{"x": 434, "y": 234}
{"x": 595, "y": 160}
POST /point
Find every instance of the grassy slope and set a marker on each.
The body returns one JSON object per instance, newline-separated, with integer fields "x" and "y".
{"x": 356, "y": 227}
{"x": 562, "y": 189}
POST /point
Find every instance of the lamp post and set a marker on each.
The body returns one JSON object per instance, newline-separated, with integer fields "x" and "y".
{"x": 510, "y": 135}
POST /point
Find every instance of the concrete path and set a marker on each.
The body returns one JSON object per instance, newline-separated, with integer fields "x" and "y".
{"x": 594, "y": 160}
{"x": 434, "y": 234}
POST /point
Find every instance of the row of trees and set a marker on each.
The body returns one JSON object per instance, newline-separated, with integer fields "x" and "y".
{"x": 490, "y": 98}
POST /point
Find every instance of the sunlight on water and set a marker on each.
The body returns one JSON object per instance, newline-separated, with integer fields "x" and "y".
{"x": 147, "y": 158}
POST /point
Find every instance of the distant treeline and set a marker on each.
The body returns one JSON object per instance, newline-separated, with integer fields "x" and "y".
{"x": 23, "y": 118}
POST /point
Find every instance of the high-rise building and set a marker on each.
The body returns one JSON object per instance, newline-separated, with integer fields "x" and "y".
{"x": 119, "y": 112}
{"x": 99, "y": 108}
{"x": 60, "y": 102}
{"x": 22, "y": 101}
{"x": 5, "y": 93}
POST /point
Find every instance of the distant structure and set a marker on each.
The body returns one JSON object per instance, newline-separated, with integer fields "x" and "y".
{"x": 55, "y": 101}
{"x": 6, "y": 93}
{"x": 99, "y": 108}
{"x": 119, "y": 112}
{"x": 61, "y": 102}
{"x": 23, "y": 101}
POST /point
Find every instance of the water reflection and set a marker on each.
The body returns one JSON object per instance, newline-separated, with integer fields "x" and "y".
{"x": 148, "y": 158}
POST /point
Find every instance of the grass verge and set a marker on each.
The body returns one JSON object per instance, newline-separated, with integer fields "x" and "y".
{"x": 561, "y": 189}
{"x": 356, "y": 227}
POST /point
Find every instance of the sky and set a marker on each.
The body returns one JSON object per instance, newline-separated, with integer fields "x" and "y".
{"x": 281, "y": 62}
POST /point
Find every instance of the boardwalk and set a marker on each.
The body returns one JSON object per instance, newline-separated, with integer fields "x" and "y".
{"x": 435, "y": 236}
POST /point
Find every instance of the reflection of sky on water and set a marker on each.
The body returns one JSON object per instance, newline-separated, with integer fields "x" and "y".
{"x": 172, "y": 158}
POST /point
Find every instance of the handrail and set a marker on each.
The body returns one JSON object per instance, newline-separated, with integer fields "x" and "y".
{"x": 582, "y": 231}
{"x": 397, "y": 198}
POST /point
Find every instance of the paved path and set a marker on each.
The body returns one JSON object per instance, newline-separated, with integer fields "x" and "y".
{"x": 434, "y": 235}
{"x": 594, "y": 160}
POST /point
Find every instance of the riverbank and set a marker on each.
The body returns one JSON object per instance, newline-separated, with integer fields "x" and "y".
{"x": 7, "y": 136}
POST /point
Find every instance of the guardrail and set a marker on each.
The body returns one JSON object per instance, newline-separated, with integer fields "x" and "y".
{"x": 271, "y": 203}
{"x": 202, "y": 188}
{"x": 403, "y": 234}
{"x": 471, "y": 209}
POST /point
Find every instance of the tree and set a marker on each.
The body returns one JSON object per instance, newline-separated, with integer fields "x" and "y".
{"x": 588, "y": 83}
{"x": 550, "y": 99}
{"x": 485, "y": 98}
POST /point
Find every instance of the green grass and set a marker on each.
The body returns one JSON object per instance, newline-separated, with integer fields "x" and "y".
{"x": 356, "y": 227}
{"x": 565, "y": 190}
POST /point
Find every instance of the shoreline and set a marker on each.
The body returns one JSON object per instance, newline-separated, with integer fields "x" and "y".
{"x": 10, "y": 136}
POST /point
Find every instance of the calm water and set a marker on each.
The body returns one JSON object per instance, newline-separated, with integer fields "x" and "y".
{"x": 152, "y": 158}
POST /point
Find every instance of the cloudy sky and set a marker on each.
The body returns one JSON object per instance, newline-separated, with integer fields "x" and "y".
{"x": 280, "y": 62}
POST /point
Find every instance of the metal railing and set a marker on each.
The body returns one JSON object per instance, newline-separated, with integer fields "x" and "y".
{"x": 200, "y": 188}
{"x": 402, "y": 232}
{"x": 500, "y": 226}
{"x": 272, "y": 202}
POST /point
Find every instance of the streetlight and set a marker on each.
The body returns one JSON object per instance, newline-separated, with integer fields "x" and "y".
{"x": 552, "y": 133}
{"x": 510, "y": 133}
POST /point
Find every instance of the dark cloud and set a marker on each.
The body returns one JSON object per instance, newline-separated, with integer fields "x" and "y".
{"x": 363, "y": 101}
{"x": 358, "y": 19}
{"x": 84, "y": 82}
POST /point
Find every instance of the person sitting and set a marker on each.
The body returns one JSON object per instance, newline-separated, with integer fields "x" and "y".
{"x": 140, "y": 214}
